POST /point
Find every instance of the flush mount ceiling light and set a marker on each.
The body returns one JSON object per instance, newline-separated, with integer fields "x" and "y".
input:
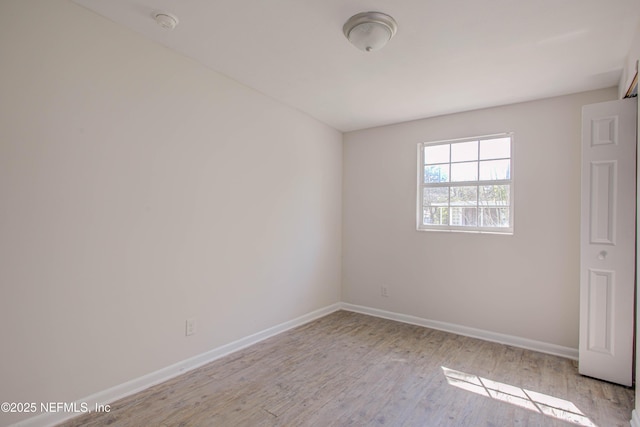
{"x": 370, "y": 31}
{"x": 165, "y": 20}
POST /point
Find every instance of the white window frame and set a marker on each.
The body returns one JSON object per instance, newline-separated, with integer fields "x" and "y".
{"x": 457, "y": 228}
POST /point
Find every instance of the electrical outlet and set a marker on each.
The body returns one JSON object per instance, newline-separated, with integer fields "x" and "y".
{"x": 384, "y": 292}
{"x": 190, "y": 326}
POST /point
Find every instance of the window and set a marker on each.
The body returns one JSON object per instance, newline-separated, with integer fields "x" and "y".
{"x": 466, "y": 184}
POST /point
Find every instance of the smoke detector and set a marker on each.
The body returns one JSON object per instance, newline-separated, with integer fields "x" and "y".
{"x": 166, "y": 20}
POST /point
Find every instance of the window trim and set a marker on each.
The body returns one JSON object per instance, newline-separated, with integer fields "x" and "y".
{"x": 456, "y": 228}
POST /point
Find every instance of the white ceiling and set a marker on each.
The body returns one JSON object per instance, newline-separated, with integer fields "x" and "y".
{"x": 448, "y": 55}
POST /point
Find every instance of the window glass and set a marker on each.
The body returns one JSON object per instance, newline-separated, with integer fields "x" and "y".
{"x": 436, "y": 154}
{"x": 497, "y": 195}
{"x": 499, "y": 148}
{"x": 467, "y": 171}
{"x": 467, "y": 185}
{"x": 464, "y": 151}
{"x": 493, "y": 170}
{"x": 436, "y": 173}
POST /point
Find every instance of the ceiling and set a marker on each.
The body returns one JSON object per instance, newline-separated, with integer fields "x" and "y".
{"x": 447, "y": 56}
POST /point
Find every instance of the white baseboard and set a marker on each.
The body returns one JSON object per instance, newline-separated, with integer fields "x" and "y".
{"x": 120, "y": 391}
{"x": 635, "y": 419}
{"x": 126, "y": 389}
{"x": 557, "y": 350}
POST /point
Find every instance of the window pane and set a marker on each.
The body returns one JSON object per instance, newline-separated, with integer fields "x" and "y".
{"x": 494, "y": 195}
{"x": 464, "y": 196}
{"x": 437, "y": 215}
{"x": 466, "y": 185}
{"x": 467, "y": 171}
{"x": 494, "y": 217}
{"x": 493, "y": 170}
{"x": 436, "y": 154}
{"x": 499, "y": 148}
{"x": 464, "y": 216}
{"x": 435, "y": 208}
{"x": 436, "y": 173}
{"x": 435, "y": 196}
{"x": 464, "y": 151}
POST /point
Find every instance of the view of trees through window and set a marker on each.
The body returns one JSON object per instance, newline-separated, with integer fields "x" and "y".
{"x": 467, "y": 184}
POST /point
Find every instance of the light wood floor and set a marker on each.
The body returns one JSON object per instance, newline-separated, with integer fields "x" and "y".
{"x": 348, "y": 369}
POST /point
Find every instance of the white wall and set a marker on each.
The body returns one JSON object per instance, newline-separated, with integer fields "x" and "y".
{"x": 525, "y": 285}
{"x": 138, "y": 189}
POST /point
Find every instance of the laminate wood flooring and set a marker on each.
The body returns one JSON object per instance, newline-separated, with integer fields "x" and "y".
{"x": 349, "y": 369}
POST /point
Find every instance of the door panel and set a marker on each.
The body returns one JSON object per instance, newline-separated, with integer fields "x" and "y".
{"x": 602, "y": 206}
{"x": 601, "y": 328}
{"x": 607, "y": 243}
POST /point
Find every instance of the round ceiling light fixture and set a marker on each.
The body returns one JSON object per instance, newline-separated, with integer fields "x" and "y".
{"x": 370, "y": 31}
{"x": 166, "y": 20}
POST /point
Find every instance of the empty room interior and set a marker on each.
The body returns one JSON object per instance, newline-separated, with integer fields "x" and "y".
{"x": 285, "y": 213}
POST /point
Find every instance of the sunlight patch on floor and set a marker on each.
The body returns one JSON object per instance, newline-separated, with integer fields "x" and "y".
{"x": 531, "y": 400}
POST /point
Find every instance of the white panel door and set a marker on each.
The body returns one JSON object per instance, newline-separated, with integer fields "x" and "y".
{"x": 607, "y": 240}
